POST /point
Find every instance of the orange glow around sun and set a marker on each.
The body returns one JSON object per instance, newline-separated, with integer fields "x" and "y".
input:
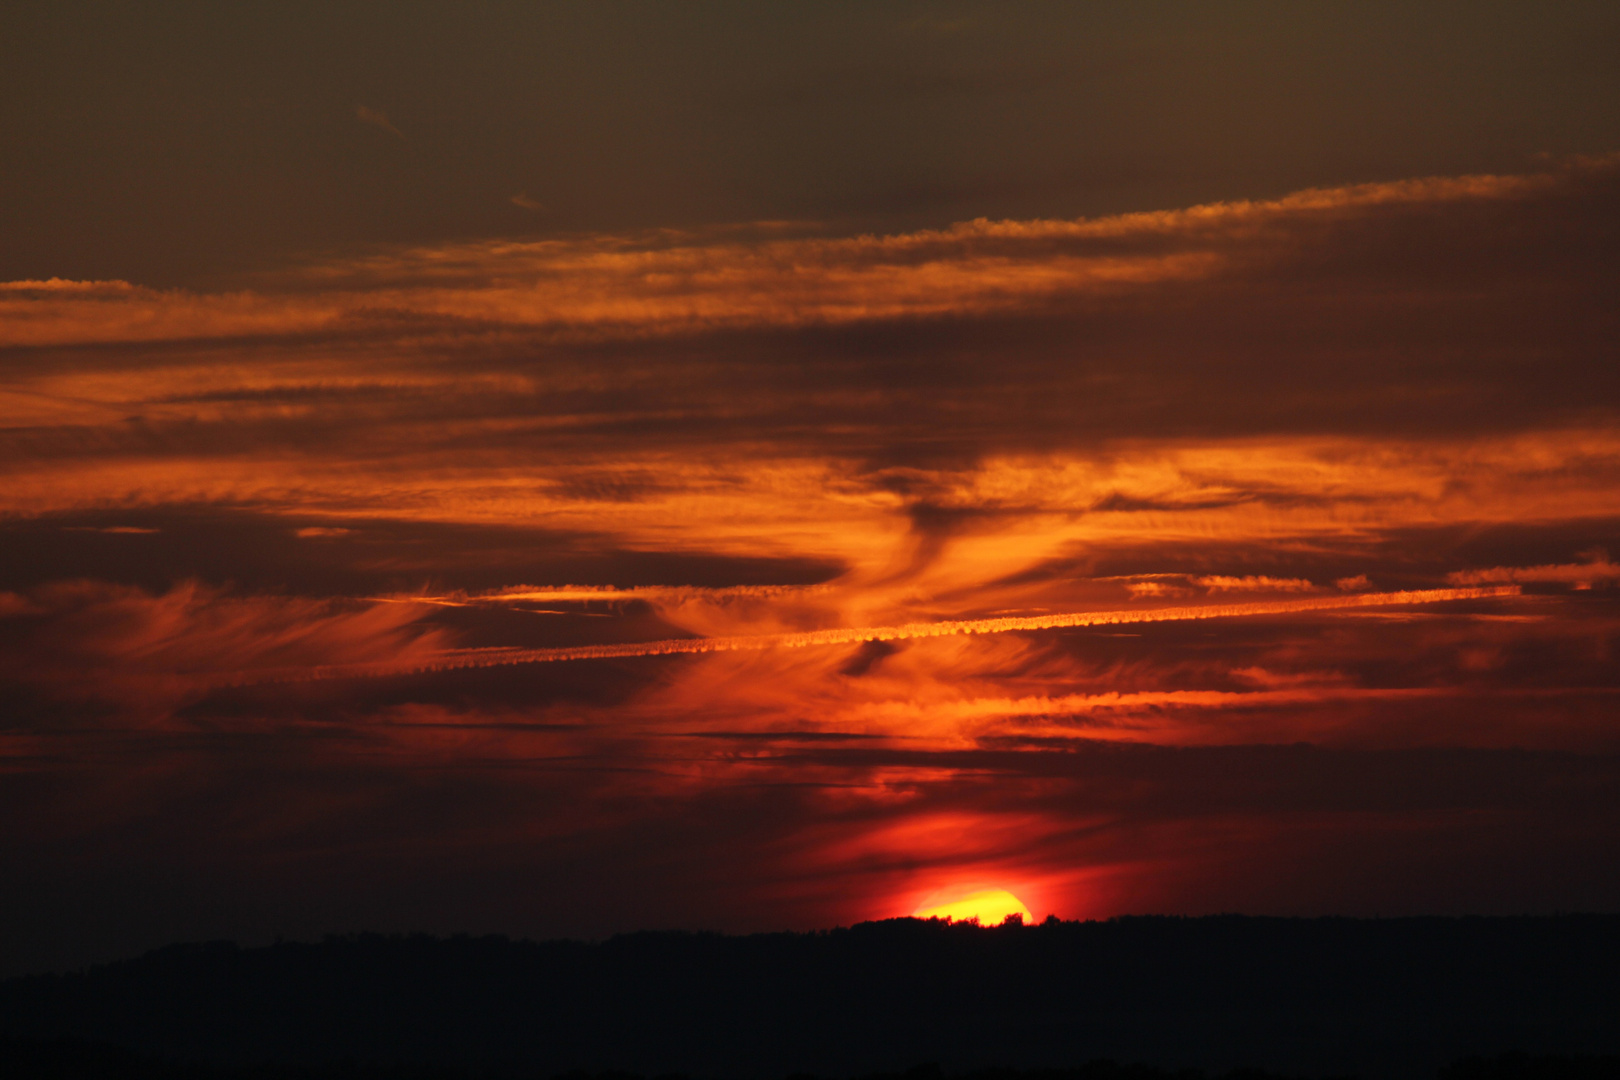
{"x": 988, "y": 906}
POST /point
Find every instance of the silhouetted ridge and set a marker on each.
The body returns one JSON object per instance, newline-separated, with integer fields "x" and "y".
{"x": 1394, "y": 997}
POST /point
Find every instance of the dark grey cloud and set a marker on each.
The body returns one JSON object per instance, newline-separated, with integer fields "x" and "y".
{"x": 256, "y": 550}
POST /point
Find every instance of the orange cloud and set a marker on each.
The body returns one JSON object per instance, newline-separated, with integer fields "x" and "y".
{"x": 1581, "y": 575}
{"x": 670, "y": 282}
{"x": 150, "y": 653}
{"x": 1253, "y": 583}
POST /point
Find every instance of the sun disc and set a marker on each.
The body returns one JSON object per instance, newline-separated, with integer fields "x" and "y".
{"x": 989, "y": 906}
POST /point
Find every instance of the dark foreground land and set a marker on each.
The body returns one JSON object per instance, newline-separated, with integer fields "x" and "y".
{"x": 62, "y": 1059}
{"x": 1304, "y": 997}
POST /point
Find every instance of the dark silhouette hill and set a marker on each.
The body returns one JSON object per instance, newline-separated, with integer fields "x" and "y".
{"x": 1372, "y": 998}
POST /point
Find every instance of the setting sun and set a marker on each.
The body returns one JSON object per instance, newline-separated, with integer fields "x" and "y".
{"x": 988, "y": 906}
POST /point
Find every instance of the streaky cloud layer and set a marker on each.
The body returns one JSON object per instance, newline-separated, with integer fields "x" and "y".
{"x": 669, "y": 282}
{"x": 910, "y": 631}
{"x": 1247, "y": 556}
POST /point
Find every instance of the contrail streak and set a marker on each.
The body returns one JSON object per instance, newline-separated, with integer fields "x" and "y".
{"x": 479, "y": 658}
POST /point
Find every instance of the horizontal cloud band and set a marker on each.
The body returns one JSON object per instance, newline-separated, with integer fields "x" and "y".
{"x": 476, "y": 658}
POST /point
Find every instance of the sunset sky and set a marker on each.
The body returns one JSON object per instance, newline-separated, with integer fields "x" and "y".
{"x": 566, "y": 469}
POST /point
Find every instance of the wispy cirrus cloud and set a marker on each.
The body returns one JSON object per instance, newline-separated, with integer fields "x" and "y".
{"x": 673, "y": 282}
{"x": 1217, "y": 583}
{"x": 1598, "y": 570}
{"x": 861, "y": 634}
{"x": 1110, "y": 560}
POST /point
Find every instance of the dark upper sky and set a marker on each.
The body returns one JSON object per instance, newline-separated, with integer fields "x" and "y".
{"x": 165, "y": 143}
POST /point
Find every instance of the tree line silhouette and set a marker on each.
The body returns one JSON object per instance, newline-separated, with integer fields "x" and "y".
{"x": 1371, "y": 998}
